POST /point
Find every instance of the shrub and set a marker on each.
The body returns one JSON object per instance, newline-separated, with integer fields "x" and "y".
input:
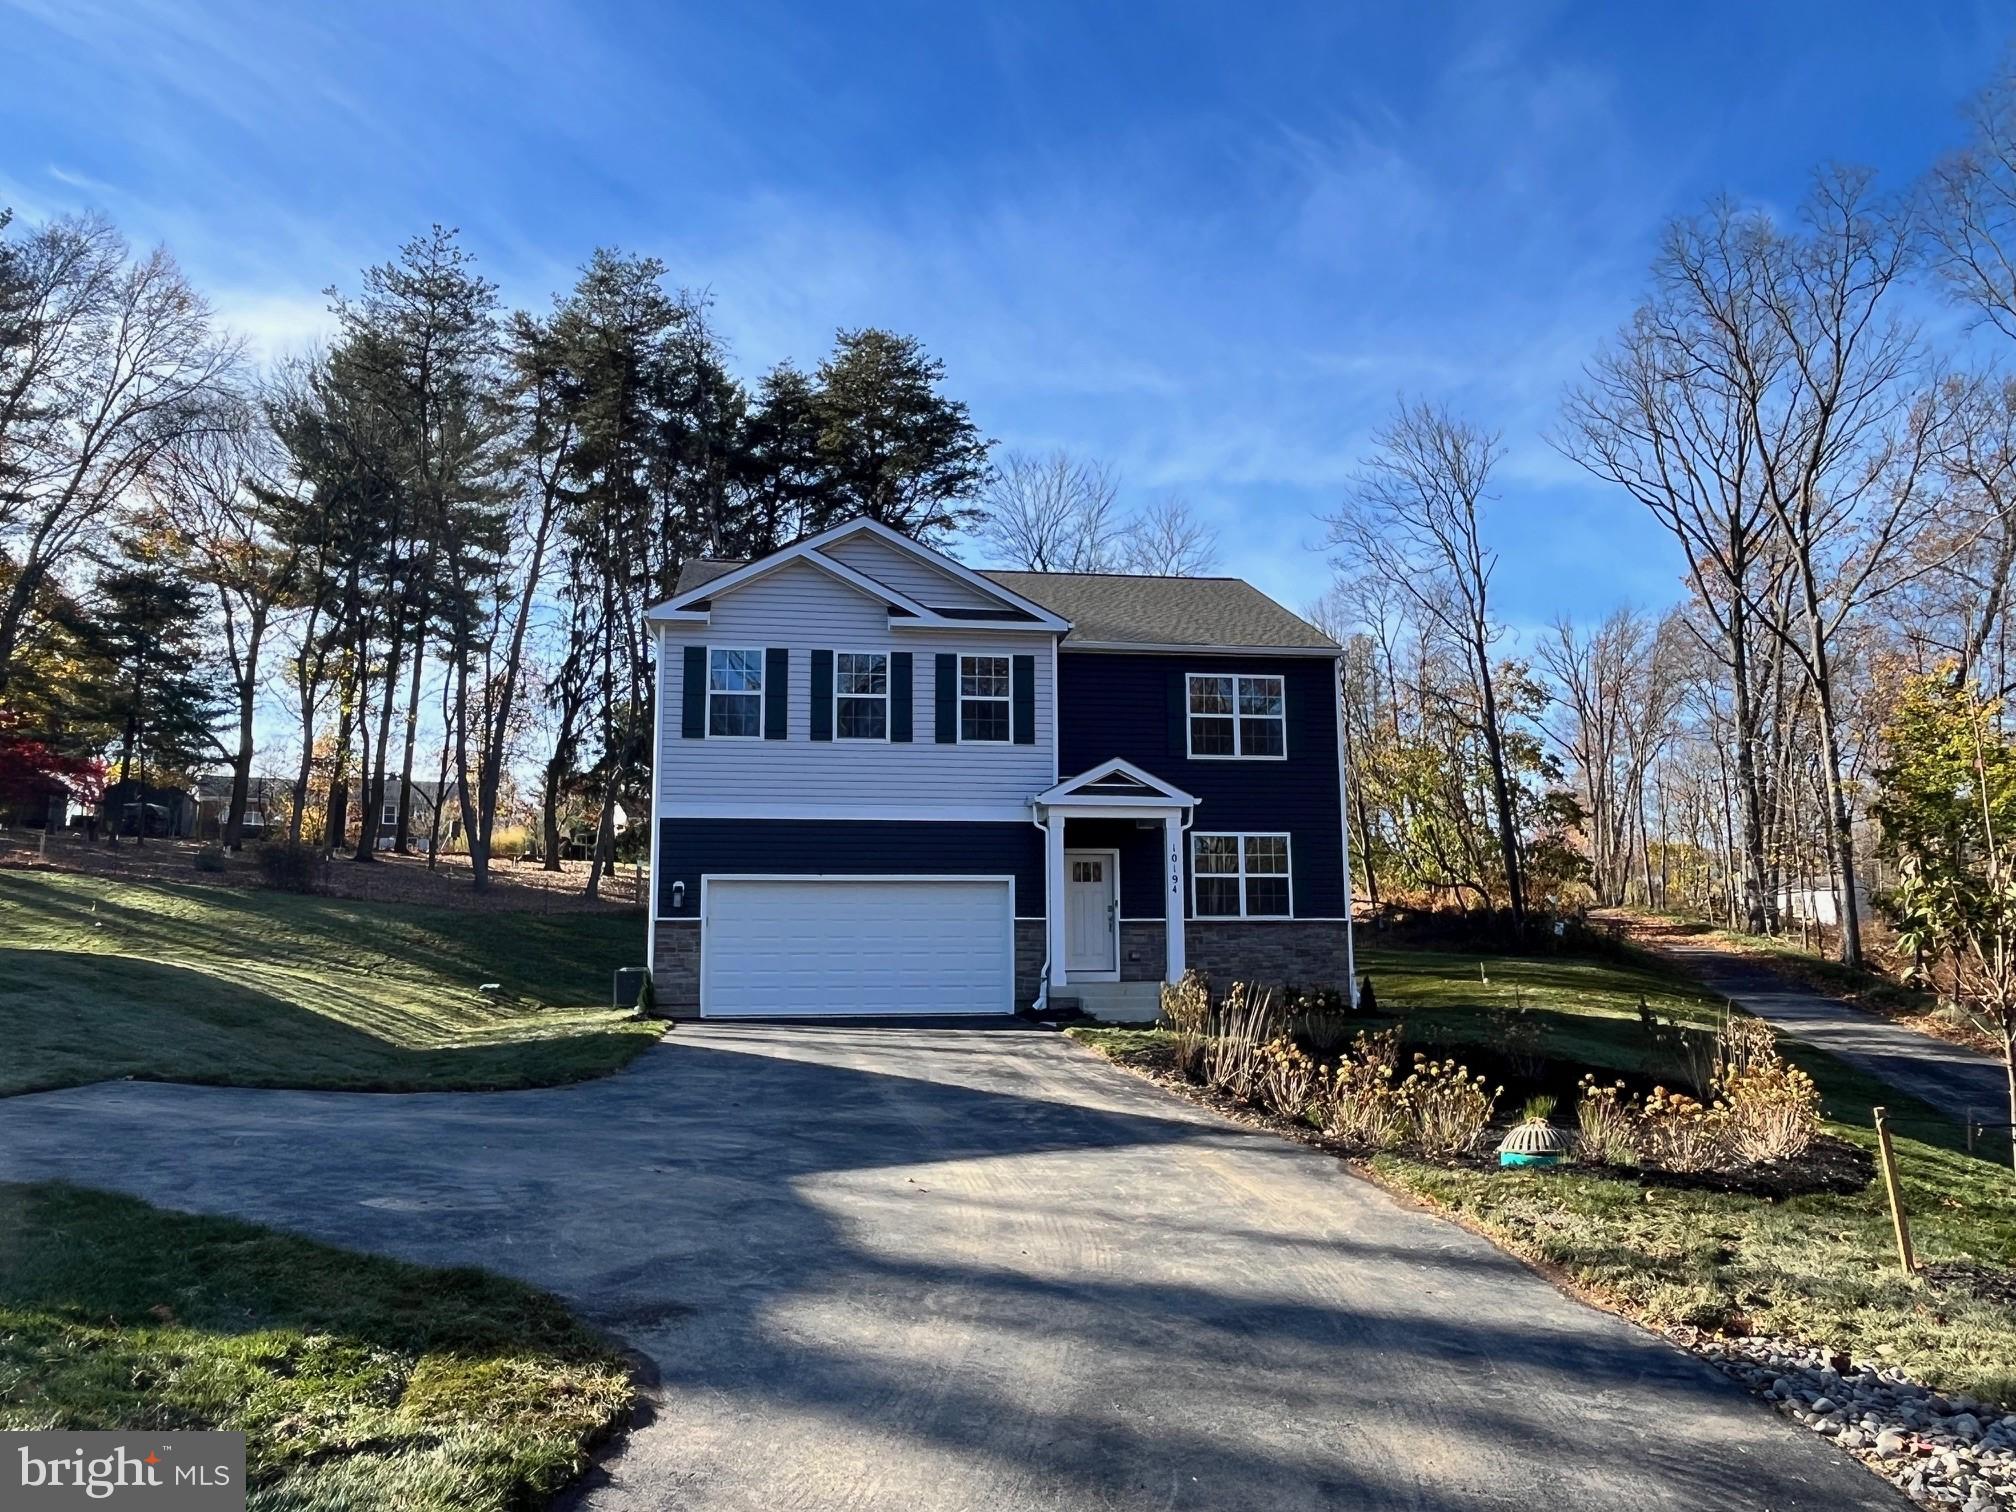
{"x": 1287, "y": 1077}
{"x": 208, "y": 858}
{"x": 1607, "y": 1125}
{"x": 1186, "y": 1014}
{"x": 1243, "y": 1024}
{"x": 1444, "y": 1109}
{"x": 1360, "y": 1102}
{"x": 291, "y": 867}
{"x": 1320, "y": 1019}
{"x": 1773, "y": 1107}
{"x": 1681, "y": 1134}
{"x": 1514, "y": 1033}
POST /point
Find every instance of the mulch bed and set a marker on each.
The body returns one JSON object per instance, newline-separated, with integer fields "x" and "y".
{"x": 1832, "y": 1164}
{"x": 1991, "y": 1283}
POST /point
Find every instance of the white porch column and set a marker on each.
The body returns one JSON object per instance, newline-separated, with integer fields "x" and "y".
{"x": 1172, "y": 890}
{"x": 1053, "y": 895}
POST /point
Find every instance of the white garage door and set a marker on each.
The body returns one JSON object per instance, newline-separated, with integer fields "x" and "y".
{"x": 853, "y": 946}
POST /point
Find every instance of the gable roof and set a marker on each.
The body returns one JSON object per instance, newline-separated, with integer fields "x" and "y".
{"x": 1102, "y": 609}
{"x": 687, "y": 600}
{"x": 1116, "y": 609}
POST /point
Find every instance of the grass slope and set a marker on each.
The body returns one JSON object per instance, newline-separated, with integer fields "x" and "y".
{"x": 181, "y": 982}
{"x": 1819, "y": 1267}
{"x": 358, "y": 1382}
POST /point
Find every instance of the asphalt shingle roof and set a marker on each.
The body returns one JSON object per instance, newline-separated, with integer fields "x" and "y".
{"x": 1112, "y": 608}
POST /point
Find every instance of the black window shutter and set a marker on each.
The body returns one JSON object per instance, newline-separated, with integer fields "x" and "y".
{"x": 693, "y": 716}
{"x": 822, "y": 695}
{"x": 1179, "y": 714}
{"x": 948, "y": 698}
{"x": 776, "y": 693}
{"x": 1023, "y": 704}
{"x": 902, "y": 687}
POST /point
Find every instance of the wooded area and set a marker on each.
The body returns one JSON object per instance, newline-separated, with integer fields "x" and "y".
{"x": 451, "y": 517}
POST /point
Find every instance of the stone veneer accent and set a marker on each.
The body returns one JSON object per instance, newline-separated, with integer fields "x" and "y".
{"x": 1267, "y": 951}
{"x": 1144, "y": 950}
{"x": 675, "y": 973}
{"x": 675, "y": 981}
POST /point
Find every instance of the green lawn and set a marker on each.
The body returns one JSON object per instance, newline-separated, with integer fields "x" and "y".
{"x": 1818, "y": 1267}
{"x": 359, "y": 1383}
{"x": 185, "y": 982}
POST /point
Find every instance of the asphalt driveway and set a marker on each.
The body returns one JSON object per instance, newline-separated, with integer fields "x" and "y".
{"x": 924, "y": 1268}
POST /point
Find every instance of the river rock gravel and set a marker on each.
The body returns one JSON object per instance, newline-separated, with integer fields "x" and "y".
{"x": 1947, "y": 1452}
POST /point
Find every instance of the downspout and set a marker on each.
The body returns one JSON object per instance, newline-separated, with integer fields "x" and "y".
{"x": 1043, "y": 980}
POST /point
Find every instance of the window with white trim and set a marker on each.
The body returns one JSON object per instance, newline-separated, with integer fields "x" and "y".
{"x": 983, "y": 699}
{"x": 1239, "y": 877}
{"x": 1237, "y": 716}
{"x": 860, "y": 695}
{"x": 734, "y": 694}
{"x": 390, "y": 815}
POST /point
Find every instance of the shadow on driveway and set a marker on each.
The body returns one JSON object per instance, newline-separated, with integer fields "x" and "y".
{"x": 916, "y": 1267}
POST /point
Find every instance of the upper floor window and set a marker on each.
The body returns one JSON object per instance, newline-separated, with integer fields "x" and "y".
{"x": 983, "y": 699}
{"x": 390, "y": 815}
{"x": 861, "y": 695}
{"x": 1237, "y": 715}
{"x": 735, "y": 693}
{"x": 1239, "y": 876}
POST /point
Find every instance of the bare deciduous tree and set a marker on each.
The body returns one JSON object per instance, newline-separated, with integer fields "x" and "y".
{"x": 1167, "y": 539}
{"x": 1054, "y": 513}
{"x": 1415, "y": 518}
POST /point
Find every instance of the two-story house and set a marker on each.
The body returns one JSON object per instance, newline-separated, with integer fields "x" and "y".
{"x": 886, "y": 783}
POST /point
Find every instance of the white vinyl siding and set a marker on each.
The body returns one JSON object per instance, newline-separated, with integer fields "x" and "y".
{"x": 802, "y": 609}
{"x": 908, "y": 576}
{"x": 832, "y": 946}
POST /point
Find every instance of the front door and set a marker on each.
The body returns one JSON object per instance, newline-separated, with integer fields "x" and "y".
{"x": 1091, "y": 913}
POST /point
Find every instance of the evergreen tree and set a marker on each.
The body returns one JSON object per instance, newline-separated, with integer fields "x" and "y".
{"x": 157, "y": 687}
{"x": 892, "y": 446}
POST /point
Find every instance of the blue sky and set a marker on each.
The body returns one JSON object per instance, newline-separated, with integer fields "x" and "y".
{"x": 1209, "y": 244}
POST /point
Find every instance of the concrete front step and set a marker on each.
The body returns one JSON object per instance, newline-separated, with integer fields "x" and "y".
{"x": 1113, "y": 1002}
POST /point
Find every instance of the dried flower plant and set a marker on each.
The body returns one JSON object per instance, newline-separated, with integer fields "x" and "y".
{"x": 1607, "y": 1124}
{"x": 1445, "y": 1110}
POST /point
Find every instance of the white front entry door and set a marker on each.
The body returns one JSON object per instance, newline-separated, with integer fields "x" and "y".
{"x": 1091, "y": 913}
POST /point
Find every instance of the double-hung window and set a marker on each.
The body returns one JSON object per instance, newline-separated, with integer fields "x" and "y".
{"x": 1236, "y": 715}
{"x": 735, "y": 694}
{"x": 1239, "y": 876}
{"x": 861, "y": 695}
{"x": 983, "y": 699}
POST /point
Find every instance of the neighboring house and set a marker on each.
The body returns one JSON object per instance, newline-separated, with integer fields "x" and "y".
{"x": 1815, "y": 900}
{"x": 266, "y": 804}
{"x": 888, "y": 784}
{"x": 157, "y": 809}
{"x": 424, "y": 797}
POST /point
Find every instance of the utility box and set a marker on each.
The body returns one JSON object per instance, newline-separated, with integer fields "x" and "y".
{"x": 630, "y": 982}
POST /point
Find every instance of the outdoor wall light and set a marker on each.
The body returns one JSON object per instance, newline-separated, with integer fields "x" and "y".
{"x": 678, "y": 894}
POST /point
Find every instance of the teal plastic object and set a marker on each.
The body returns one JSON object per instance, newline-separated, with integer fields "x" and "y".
{"x": 1520, "y": 1158}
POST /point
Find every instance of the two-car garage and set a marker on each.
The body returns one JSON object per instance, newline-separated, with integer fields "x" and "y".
{"x": 810, "y": 946}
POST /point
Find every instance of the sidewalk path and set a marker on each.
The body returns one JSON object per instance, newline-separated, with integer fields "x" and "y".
{"x": 1951, "y": 1078}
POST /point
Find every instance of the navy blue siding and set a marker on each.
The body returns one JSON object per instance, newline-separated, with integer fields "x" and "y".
{"x": 1118, "y": 705}
{"x": 689, "y": 849}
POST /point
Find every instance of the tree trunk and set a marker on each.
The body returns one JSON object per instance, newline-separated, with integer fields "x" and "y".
{"x": 241, "y": 764}
{"x": 1501, "y": 786}
{"x": 402, "y": 834}
{"x": 373, "y": 816}
{"x": 1839, "y": 825}
{"x": 550, "y": 828}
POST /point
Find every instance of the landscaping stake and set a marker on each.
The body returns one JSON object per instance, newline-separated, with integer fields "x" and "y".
{"x": 1897, "y": 1218}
